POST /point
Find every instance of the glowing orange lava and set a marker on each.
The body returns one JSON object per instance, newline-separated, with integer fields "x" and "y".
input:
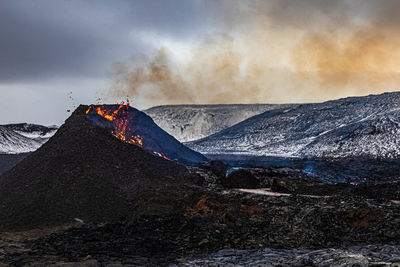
{"x": 120, "y": 119}
{"x": 121, "y": 124}
{"x": 161, "y": 155}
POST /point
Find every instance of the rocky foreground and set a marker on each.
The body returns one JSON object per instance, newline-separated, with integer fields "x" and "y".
{"x": 252, "y": 217}
{"x": 86, "y": 198}
{"x": 371, "y": 255}
{"x": 225, "y": 226}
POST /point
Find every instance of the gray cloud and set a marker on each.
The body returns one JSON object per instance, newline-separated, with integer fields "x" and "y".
{"x": 51, "y": 47}
{"x": 42, "y": 39}
{"x": 276, "y": 51}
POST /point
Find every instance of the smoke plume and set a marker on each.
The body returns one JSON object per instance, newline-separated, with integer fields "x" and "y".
{"x": 273, "y": 52}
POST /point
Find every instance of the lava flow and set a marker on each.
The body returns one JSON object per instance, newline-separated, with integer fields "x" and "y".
{"x": 123, "y": 128}
{"x": 121, "y": 122}
{"x": 161, "y": 155}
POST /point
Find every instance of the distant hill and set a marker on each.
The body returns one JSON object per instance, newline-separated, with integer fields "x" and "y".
{"x": 192, "y": 122}
{"x": 366, "y": 126}
{"x": 23, "y": 137}
{"x": 13, "y": 143}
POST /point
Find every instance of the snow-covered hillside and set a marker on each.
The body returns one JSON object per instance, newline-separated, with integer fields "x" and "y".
{"x": 357, "y": 126}
{"x": 13, "y": 143}
{"x": 192, "y": 122}
{"x": 23, "y": 137}
{"x": 34, "y": 131}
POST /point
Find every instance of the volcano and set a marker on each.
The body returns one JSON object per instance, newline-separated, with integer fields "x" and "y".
{"x": 85, "y": 172}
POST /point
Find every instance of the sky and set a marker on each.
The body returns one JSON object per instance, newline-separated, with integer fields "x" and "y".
{"x": 57, "y": 54}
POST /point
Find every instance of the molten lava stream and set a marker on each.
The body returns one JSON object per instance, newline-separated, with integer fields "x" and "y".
{"x": 121, "y": 125}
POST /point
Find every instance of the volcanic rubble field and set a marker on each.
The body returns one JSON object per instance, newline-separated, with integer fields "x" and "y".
{"x": 86, "y": 198}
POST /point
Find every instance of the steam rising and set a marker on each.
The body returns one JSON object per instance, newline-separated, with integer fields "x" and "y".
{"x": 276, "y": 51}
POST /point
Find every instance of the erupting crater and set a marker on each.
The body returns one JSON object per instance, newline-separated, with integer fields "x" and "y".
{"x": 122, "y": 128}
{"x": 135, "y": 127}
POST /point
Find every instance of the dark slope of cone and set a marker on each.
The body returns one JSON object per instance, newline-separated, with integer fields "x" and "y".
{"x": 84, "y": 172}
{"x": 7, "y": 161}
{"x": 154, "y": 138}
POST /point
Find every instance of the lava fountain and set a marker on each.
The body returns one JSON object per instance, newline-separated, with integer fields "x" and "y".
{"x": 123, "y": 123}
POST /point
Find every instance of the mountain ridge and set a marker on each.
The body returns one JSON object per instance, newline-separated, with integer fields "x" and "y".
{"x": 192, "y": 122}
{"x": 23, "y": 137}
{"x": 333, "y": 129}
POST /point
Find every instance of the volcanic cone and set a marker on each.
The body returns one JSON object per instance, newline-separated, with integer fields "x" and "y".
{"x": 84, "y": 172}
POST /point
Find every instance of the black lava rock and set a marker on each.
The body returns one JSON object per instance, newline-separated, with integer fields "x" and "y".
{"x": 384, "y": 190}
{"x": 241, "y": 179}
{"x": 307, "y": 187}
{"x": 218, "y": 168}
